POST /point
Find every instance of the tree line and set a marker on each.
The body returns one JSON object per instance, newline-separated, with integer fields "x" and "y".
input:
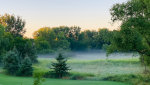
{"x": 70, "y": 38}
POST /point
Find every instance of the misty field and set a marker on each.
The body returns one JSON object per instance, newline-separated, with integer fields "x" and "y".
{"x": 82, "y": 64}
{"x": 95, "y": 63}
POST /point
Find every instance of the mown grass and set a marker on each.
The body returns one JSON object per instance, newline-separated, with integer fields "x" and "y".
{"x": 11, "y": 80}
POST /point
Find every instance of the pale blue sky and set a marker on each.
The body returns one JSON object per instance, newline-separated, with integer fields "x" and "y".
{"x": 88, "y": 14}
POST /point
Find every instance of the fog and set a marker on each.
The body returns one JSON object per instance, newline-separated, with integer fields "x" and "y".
{"x": 91, "y": 55}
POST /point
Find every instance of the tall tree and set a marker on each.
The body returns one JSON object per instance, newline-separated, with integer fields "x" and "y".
{"x": 135, "y": 29}
{"x": 14, "y": 25}
{"x": 5, "y": 41}
{"x": 103, "y": 37}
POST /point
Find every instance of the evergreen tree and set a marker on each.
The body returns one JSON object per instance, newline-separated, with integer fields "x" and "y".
{"x": 26, "y": 67}
{"x": 60, "y": 68}
{"x": 11, "y": 62}
{"x": 15, "y": 65}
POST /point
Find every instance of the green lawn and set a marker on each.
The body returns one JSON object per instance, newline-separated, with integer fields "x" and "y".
{"x": 9, "y": 80}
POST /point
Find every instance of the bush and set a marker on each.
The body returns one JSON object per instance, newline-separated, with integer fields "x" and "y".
{"x": 38, "y": 77}
{"x": 130, "y": 78}
{"x": 49, "y": 74}
{"x": 79, "y": 76}
{"x": 71, "y": 75}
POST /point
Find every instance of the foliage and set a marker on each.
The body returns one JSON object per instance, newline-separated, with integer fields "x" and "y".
{"x": 60, "y": 68}
{"x": 25, "y": 48}
{"x": 5, "y": 41}
{"x": 25, "y": 68}
{"x": 130, "y": 78}
{"x": 134, "y": 32}
{"x": 103, "y": 38}
{"x": 38, "y": 78}
{"x": 14, "y": 25}
{"x": 70, "y": 38}
{"x": 1, "y": 41}
{"x": 15, "y": 65}
{"x": 14, "y": 47}
{"x": 11, "y": 62}
{"x": 48, "y": 39}
{"x": 11, "y": 34}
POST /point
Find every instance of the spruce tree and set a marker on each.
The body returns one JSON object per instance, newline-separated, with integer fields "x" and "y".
{"x": 26, "y": 67}
{"x": 11, "y": 62}
{"x": 60, "y": 68}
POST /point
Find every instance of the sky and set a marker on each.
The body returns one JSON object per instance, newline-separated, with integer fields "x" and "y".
{"x": 87, "y": 14}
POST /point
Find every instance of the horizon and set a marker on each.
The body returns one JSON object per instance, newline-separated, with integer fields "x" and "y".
{"x": 87, "y": 14}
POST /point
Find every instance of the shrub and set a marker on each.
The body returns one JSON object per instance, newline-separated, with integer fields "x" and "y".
{"x": 38, "y": 77}
{"x": 130, "y": 78}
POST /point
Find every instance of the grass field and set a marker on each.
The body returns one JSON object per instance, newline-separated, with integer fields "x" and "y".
{"x": 99, "y": 68}
{"x": 9, "y": 80}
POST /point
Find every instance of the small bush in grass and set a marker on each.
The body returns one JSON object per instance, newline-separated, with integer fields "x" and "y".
{"x": 38, "y": 77}
{"x": 79, "y": 76}
{"x": 60, "y": 68}
{"x": 130, "y": 78}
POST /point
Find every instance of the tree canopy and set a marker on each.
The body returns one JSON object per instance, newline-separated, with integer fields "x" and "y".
{"x": 134, "y": 32}
{"x": 14, "y": 25}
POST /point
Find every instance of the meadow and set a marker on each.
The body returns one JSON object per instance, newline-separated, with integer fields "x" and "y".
{"x": 84, "y": 71}
{"x": 97, "y": 69}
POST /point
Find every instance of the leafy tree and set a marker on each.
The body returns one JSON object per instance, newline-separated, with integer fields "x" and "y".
{"x": 67, "y": 38}
{"x": 1, "y": 41}
{"x": 14, "y": 25}
{"x": 103, "y": 38}
{"x": 45, "y": 34}
{"x": 61, "y": 41}
{"x": 25, "y": 48}
{"x": 72, "y": 36}
{"x": 51, "y": 38}
{"x": 60, "y": 68}
{"x": 135, "y": 29}
{"x": 42, "y": 45}
{"x": 5, "y": 41}
{"x": 87, "y": 40}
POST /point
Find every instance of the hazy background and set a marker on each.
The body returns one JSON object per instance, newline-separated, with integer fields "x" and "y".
{"x": 88, "y": 14}
{"x": 91, "y": 55}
